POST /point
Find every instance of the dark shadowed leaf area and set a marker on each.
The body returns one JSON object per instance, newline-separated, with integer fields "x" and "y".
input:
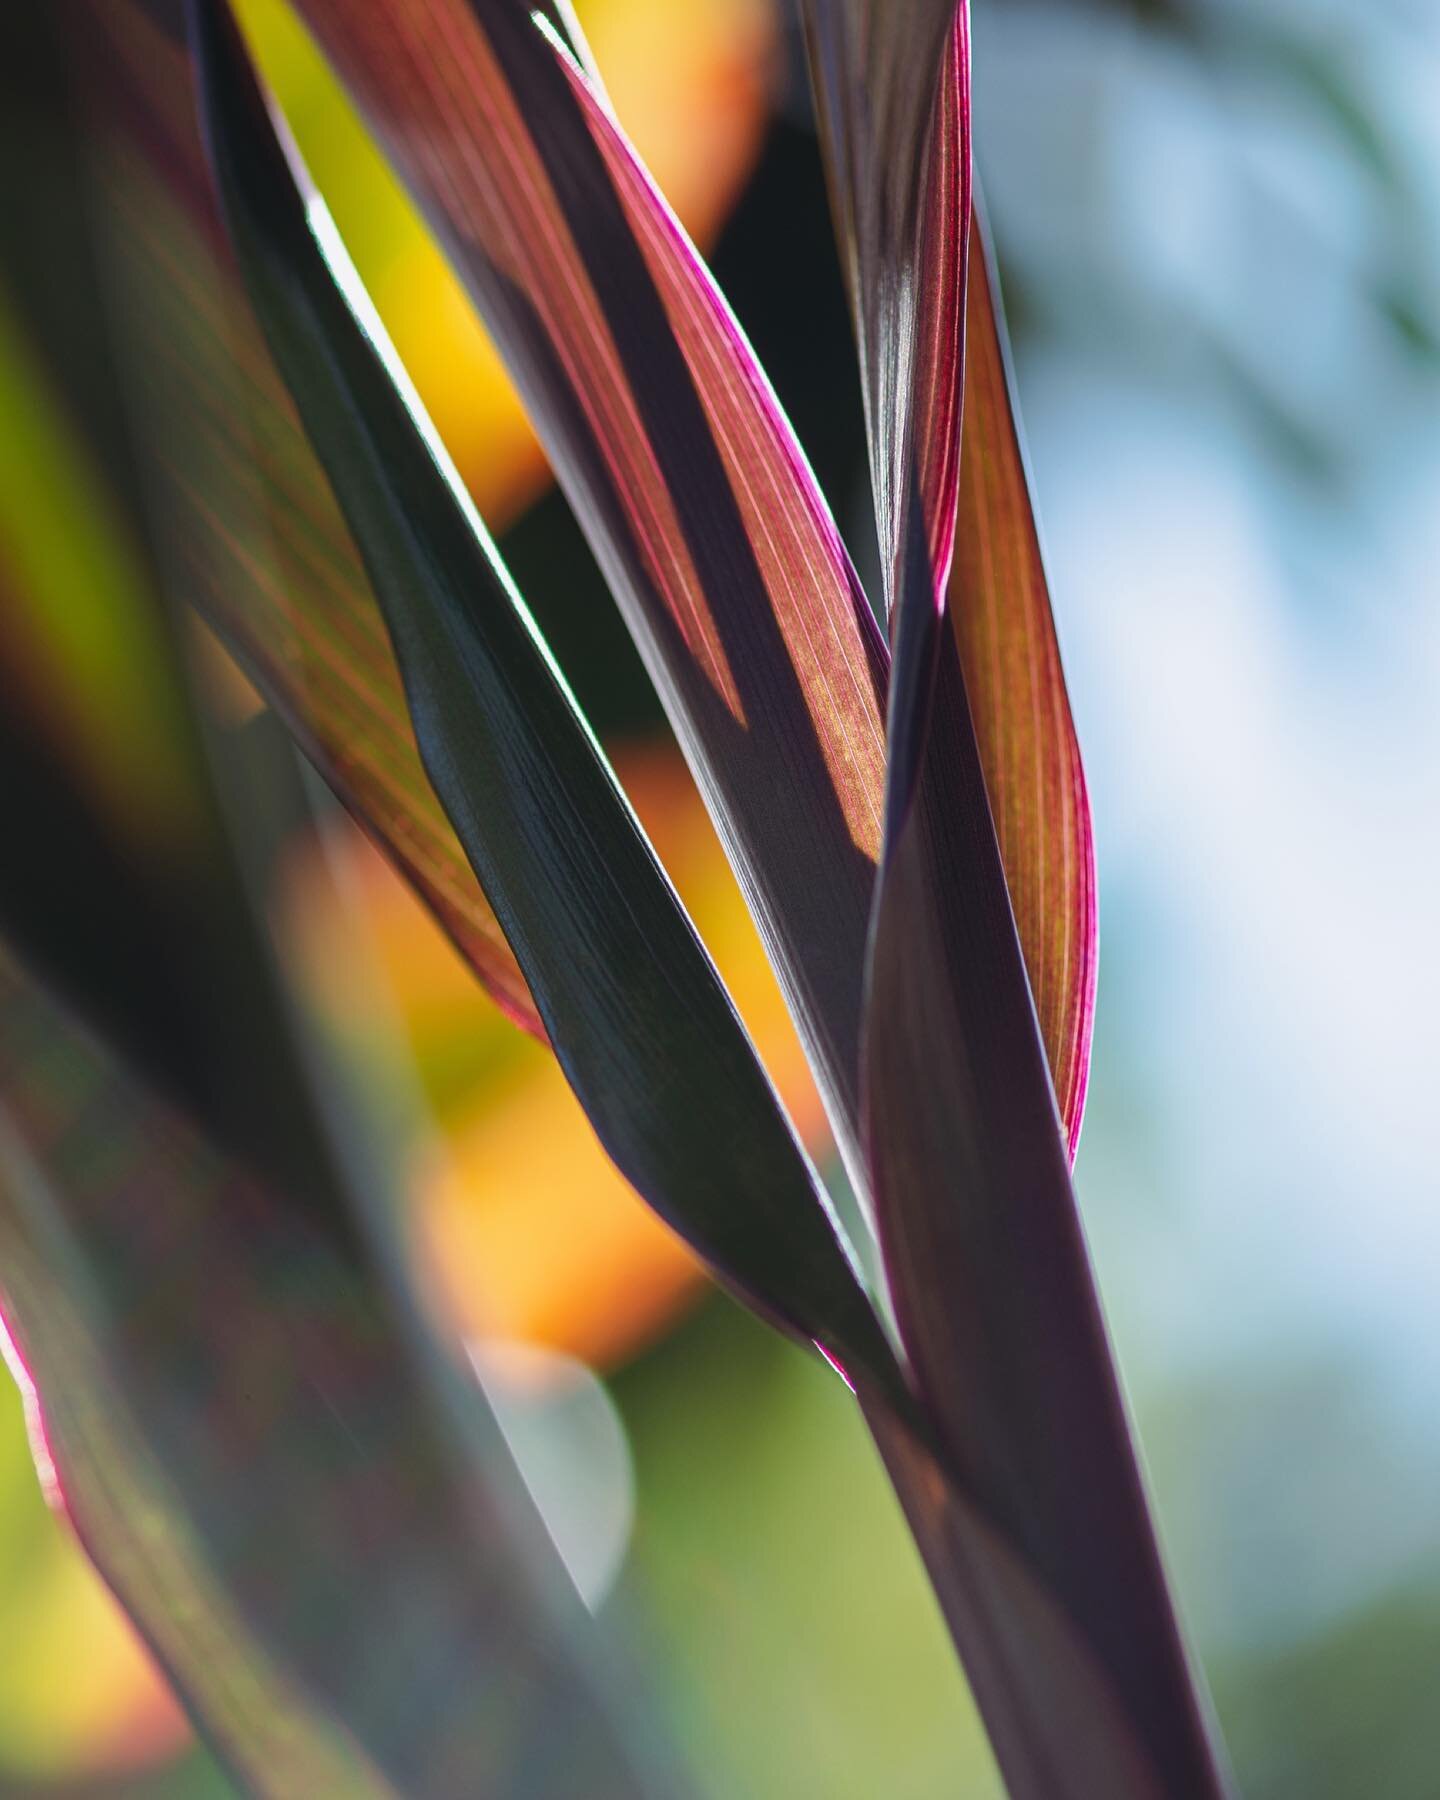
{"x": 631, "y": 1002}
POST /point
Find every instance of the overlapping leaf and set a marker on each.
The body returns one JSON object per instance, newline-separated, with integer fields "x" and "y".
{"x": 672, "y": 448}
{"x": 315, "y": 1526}
{"x": 891, "y": 102}
{"x": 244, "y": 1450}
{"x": 708, "y": 525}
{"x": 889, "y": 91}
{"x": 259, "y": 544}
{"x": 1034, "y": 1522}
{"x": 999, "y": 610}
{"x": 208, "y": 1336}
{"x": 635, "y": 1010}
{"x": 550, "y": 250}
{"x": 263, "y": 551}
{"x": 734, "y": 1181}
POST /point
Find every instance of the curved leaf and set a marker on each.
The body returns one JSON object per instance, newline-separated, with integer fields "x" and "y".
{"x": 1033, "y": 1520}
{"x": 891, "y": 89}
{"x": 891, "y": 94}
{"x": 672, "y": 448}
{"x": 242, "y": 1446}
{"x": 999, "y": 605}
{"x": 302, "y": 1502}
{"x": 634, "y": 1008}
{"x": 260, "y": 546}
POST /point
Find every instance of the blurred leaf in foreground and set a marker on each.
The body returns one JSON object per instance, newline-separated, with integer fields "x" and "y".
{"x": 306, "y": 1509}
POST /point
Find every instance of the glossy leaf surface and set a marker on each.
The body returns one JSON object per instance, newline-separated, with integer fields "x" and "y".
{"x": 304, "y": 1505}
{"x": 999, "y": 609}
{"x": 633, "y": 1005}
{"x": 673, "y": 451}
{"x": 1033, "y": 1519}
{"x": 259, "y": 542}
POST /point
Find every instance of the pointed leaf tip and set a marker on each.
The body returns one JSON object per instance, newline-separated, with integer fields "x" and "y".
{"x": 633, "y": 1005}
{"x": 682, "y": 469}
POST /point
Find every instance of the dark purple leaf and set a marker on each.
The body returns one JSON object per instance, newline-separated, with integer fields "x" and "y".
{"x": 891, "y": 88}
{"x": 1034, "y": 1521}
{"x": 634, "y": 1008}
{"x": 670, "y": 444}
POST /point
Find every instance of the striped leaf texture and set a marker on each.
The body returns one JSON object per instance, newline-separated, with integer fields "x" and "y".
{"x": 681, "y": 467}
{"x": 635, "y": 1009}
{"x": 890, "y": 107}
{"x": 999, "y": 610}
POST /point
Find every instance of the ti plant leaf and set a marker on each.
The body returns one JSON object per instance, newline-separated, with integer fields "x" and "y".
{"x": 1036, "y": 1526}
{"x": 999, "y": 610}
{"x": 670, "y": 444}
{"x": 306, "y": 1510}
{"x": 258, "y": 541}
{"x": 634, "y": 1008}
{"x": 892, "y": 99}
{"x": 889, "y": 89}
{"x": 955, "y": 771}
{"x": 381, "y": 1625}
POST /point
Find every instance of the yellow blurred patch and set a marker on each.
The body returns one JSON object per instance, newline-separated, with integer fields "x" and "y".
{"x": 79, "y": 1692}
{"x": 81, "y": 646}
{"x": 523, "y": 1227}
{"x": 690, "y": 82}
{"x": 526, "y": 1231}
